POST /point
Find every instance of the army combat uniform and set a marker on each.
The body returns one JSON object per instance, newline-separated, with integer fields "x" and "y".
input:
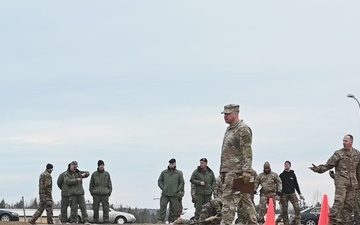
{"x": 236, "y": 160}
{"x": 346, "y": 163}
{"x": 271, "y": 187}
{"x": 45, "y": 194}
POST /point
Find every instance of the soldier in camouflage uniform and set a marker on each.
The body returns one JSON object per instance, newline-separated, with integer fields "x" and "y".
{"x": 346, "y": 163}
{"x": 289, "y": 185}
{"x": 236, "y": 161}
{"x": 73, "y": 180}
{"x": 271, "y": 187}
{"x": 45, "y": 194}
{"x": 204, "y": 180}
{"x": 64, "y": 196}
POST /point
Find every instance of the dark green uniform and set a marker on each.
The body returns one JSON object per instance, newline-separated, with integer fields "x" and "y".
{"x": 202, "y": 193}
{"x": 171, "y": 182}
{"x": 76, "y": 194}
{"x": 100, "y": 189}
{"x": 46, "y": 201}
{"x": 64, "y": 197}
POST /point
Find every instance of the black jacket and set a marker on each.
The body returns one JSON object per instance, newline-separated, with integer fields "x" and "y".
{"x": 289, "y": 182}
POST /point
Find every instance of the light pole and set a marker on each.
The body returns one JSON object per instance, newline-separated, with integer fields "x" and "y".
{"x": 353, "y": 96}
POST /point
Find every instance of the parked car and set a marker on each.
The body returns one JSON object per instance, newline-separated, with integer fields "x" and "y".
{"x": 6, "y": 215}
{"x": 309, "y": 216}
{"x": 188, "y": 213}
{"x": 114, "y": 216}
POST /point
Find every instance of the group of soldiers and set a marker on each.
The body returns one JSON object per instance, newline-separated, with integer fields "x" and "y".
{"x": 70, "y": 183}
{"x": 236, "y": 163}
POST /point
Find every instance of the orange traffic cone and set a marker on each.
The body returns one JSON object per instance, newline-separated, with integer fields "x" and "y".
{"x": 270, "y": 215}
{"x": 324, "y": 213}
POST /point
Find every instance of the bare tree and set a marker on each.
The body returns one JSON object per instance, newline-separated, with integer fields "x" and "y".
{"x": 317, "y": 198}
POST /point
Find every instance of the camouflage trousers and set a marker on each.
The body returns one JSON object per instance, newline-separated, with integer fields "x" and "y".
{"x": 231, "y": 201}
{"x": 357, "y": 207}
{"x": 264, "y": 201}
{"x": 343, "y": 205}
{"x": 243, "y": 216}
{"x": 284, "y": 201}
{"x": 45, "y": 203}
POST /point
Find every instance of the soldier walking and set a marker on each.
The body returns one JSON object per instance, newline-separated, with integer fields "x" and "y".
{"x": 271, "y": 187}
{"x": 204, "y": 180}
{"x": 346, "y": 163}
{"x": 236, "y": 161}
{"x": 45, "y": 194}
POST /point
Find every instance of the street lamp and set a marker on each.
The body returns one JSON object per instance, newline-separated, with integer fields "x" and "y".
{"x": 353, "y": 96}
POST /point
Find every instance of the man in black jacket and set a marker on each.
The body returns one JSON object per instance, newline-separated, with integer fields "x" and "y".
{"x": 289, "y": 185}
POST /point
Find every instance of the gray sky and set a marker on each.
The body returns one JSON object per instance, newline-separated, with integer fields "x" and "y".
{"x": 135, "y": 83}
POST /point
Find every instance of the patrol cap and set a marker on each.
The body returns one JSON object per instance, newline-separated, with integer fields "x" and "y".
{"x": 230, "y": 108}
{"x": 74, "y": 163}
{"x": 203, "y": 160}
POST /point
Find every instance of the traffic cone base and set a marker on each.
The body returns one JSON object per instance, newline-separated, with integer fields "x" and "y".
{"x": 270, "y": 215}
{"x": 324, "y": 213}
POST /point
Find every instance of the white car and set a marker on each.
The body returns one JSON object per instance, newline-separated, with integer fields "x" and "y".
{"x": 188, "y": 213}
{"x": 114, "y": 216}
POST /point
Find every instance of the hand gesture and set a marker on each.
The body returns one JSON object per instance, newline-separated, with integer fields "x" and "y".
{"x": 202, "y": 183}
{"x": 314, "y": 168}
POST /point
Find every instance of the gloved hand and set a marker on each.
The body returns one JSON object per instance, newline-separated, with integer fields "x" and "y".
{"x": 246, "y": 177}
{"x": 332, "y": 174}
{"x": 302, "y": 197}
{"x": 255, "y": 192}
{"x": 314, "y": 168}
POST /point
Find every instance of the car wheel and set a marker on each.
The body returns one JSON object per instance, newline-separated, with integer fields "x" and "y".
{"x": 5, "y": 217}
{"x": 310, "y": 222}
{"x": 120, "y": 220}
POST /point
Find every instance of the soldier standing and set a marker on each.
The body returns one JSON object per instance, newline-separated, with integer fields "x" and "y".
{"x": 346, "y": 163}
{"x": 45, "y": 194}
{"x": 73, "y": 180}
{"x": 171, "y": 182}
{"x": 236, "y": 160}
{"x": 289, "y": 185}
{"x": 100, "y": 189}
{"x": 204, "y": 180}
{"x": 270, "y": 188}
{"x": 64, "y": 196}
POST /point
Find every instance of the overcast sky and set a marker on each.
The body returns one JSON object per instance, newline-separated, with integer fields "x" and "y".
{"x": 135, "y": 83}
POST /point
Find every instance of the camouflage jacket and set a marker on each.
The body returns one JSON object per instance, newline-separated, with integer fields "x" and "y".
{"x": 74, "y": 186}
{"x": 45, "y": 184}
{"x": 236, "y": 154}
{"x": 206, "y": 176}
{"x": 346, "y": 167}
{"x": 270, "y": 183}
{"x": 171, "y": 182}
